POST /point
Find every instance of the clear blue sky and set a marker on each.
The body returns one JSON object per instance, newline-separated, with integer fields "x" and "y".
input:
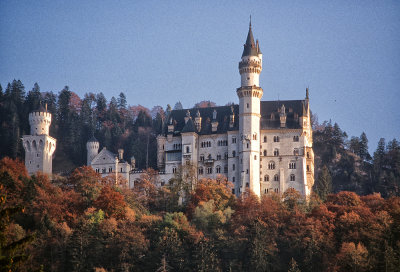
{"x": 161, "y": 52}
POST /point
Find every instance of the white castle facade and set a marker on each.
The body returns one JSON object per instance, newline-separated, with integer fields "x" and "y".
{"x": 263, "y": 146}
{"x": 39, "y": 145}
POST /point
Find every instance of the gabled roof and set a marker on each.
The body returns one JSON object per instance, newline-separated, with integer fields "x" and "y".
{"x": 104, "y": 157}
{"x": 270, "y": 111}
{"x": 206, "y": 114}
{"x": 189, "y": 126}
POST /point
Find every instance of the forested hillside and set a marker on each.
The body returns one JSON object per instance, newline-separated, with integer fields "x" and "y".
{"x": 342, "y": 162}
{"x": 83, "y": 223}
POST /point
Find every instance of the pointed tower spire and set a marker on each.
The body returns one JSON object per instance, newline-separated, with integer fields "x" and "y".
{"x": 250, "y": 46}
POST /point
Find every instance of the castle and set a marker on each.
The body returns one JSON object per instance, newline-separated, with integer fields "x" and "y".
{"x": 265, "y": 146}
{"x": 39, "y": 145}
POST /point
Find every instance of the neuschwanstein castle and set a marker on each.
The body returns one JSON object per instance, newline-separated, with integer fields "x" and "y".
{"x": 265, "y": 146}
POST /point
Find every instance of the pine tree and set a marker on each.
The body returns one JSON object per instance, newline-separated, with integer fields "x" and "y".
{"x": 323, "y": 185}
{"x": 363, "y": 153}
{"x": 122, "y": 101}
{"x": 293, "y": 267}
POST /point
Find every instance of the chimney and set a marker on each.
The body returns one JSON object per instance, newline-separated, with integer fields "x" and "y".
{"x": 120, "y": 154}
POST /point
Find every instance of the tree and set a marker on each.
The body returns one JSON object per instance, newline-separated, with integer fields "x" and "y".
{"x": 12, "y": 253}
{"x": 323, "y": 184}
{"x": 111, "y": 202}
{"x": 352, "y": 257}
{"x": 293, "y": 267}
{"x": 178, "y": 106}
{"x": 122, "y": 101}
{"x": 363, "y": 151}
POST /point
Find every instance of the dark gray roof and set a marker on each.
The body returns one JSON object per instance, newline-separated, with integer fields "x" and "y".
{"x": 189, "y": 126}
{"x": 92, "y": 139}
{"x": 223, "y": 115}
{"x": 250, "y": 48}
{"x": 270, "y": 113}
{"x": 270, "y": 119}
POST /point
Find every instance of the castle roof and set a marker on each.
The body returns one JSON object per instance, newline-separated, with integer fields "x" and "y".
{"x": 92, "y": 139}
{"x": 250, "y": 48}
{"x": 189, "y": 126}
{"x": 270, "y": 111}
{"x": 270, "y": 117}
{"x": 206, "y": 114}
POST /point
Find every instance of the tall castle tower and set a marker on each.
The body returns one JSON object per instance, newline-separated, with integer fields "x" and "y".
{"x": 250, "y": 95}
{"x": 92, "y": 147}
{"x": 39, "y": 145}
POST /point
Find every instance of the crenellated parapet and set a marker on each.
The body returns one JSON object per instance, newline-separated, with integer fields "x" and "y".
{"x": 249, "y": 91}
{"x": 250, "y": 66}
{"x": 39, "y": 122}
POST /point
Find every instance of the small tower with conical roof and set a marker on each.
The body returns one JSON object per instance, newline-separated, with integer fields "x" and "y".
{"x": 39, "y": 145}
{"x": 92, "y": 147}
{"x": 250, "y": 95}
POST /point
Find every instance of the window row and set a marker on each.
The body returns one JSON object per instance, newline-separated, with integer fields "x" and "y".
{"x": 222, "y": 143}
{"x": 269, "y": 190}
{"x": 271, "y": 165}
{"x": 209, "y": 170}
{"x": 276, "y": 139}
{"x": 276, "y": 152}
{"x": 292, "y": 177}
{"x": 177, "y": 146}
{"x": 205, "y": 144}
{"x": 104, "y": 170}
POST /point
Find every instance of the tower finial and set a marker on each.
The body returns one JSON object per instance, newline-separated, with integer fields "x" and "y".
{"x": 250, "y": 22}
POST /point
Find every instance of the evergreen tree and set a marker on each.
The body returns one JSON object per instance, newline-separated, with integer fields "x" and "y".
{"x": 178, "y": 106}
{"x": 379, "y": 156}
{"x": 122, "y": 101}
{"x": 323, "y": 185}
{"x": 363, "y": 152}
{"x": 33, "y": 99}
{"x": 293, "y": 267}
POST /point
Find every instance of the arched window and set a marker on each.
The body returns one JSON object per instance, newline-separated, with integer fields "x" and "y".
{"x": 233, "y": 167}
{"x": 296, "y": 151}
{"x": 292, "y": 177}
{"x": 255, "y": 157}
{"x": 266, "y": 178}
{"x": 233, "y": 153}
{"x": 295, "y": 138}
{"x": 276, "y": 139}
{"x": 265, "y": 152}
{"x": 201, "y": 170}
{"x": 276, "y": 152}
{"x": 218, "y": 169}
{"x": 276, "y": 178}
{"x": 271, "y": 165}
{"x": 187, "y": 149}
{"x": 265, "y": 139}
{"x": 292, "y": 165}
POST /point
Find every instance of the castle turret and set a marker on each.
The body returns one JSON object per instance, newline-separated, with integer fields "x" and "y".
{"x": 92, "y": 147}
{"x": 39, "y": 146}
{"x": 250, "y": 95}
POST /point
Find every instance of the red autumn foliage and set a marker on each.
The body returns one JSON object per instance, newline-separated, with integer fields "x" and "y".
{"x": 111, "y": 202}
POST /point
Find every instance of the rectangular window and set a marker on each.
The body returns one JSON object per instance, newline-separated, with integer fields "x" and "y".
{"x": 233, "y": 140}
